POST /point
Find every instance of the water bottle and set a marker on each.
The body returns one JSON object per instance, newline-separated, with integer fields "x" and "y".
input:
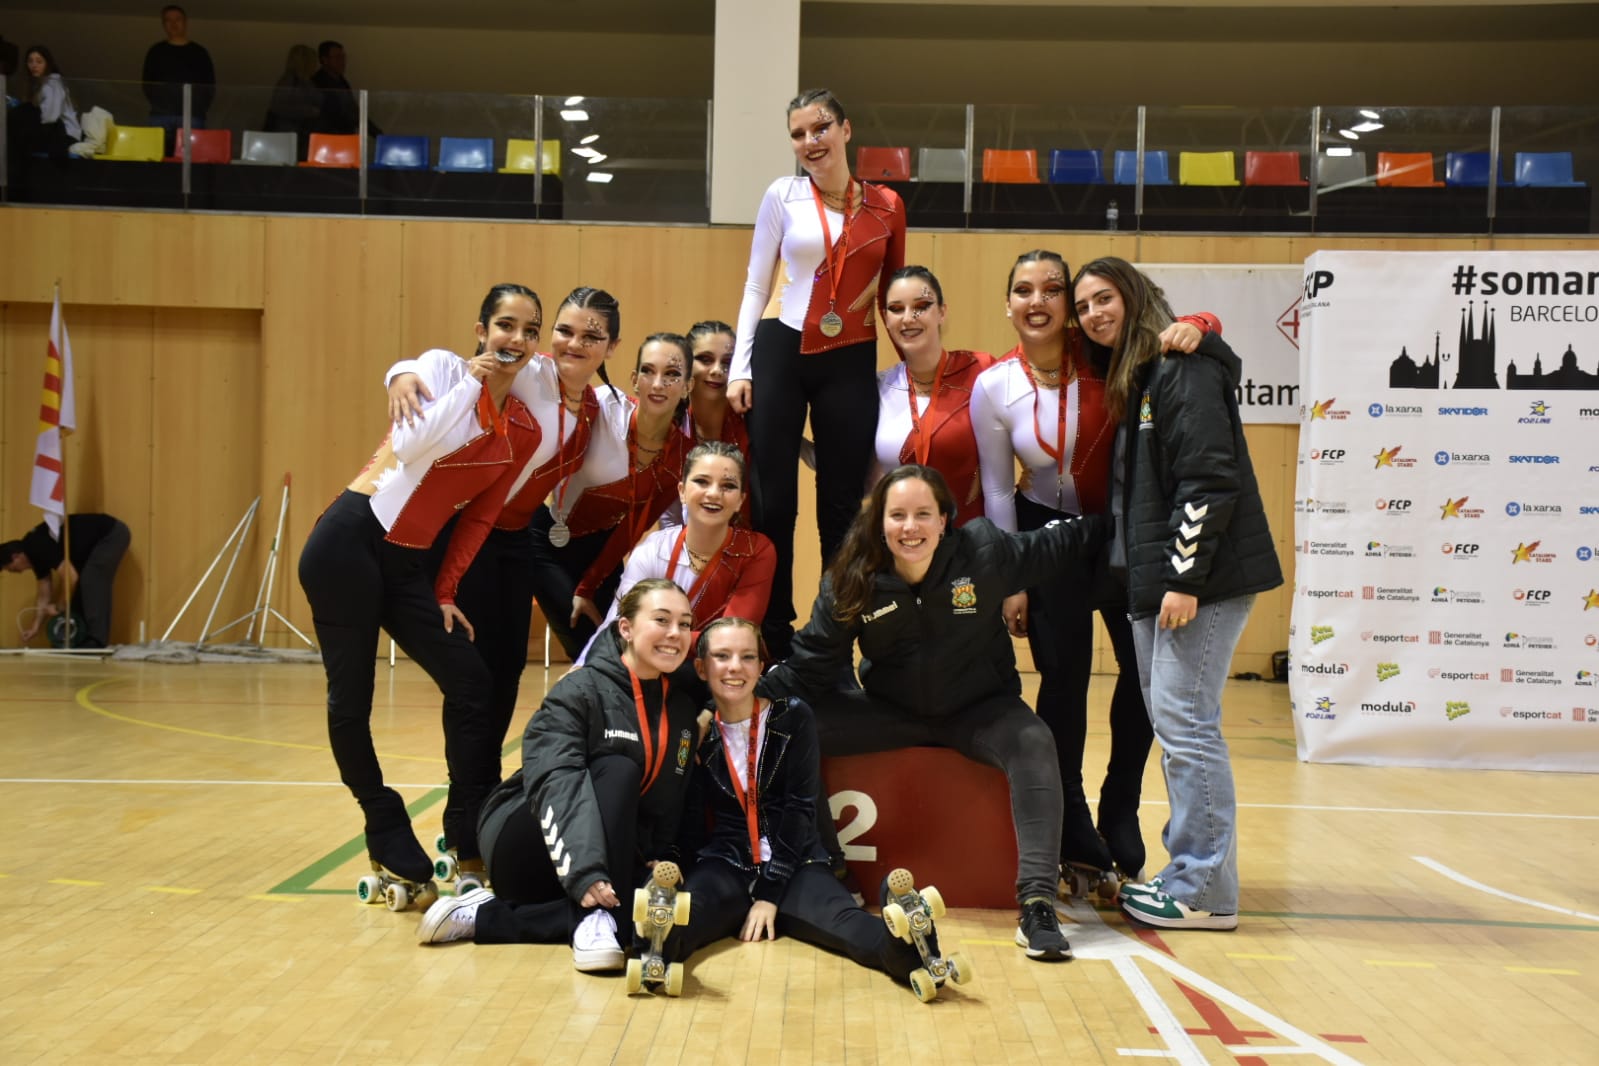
{"x": 1112, "y": 216}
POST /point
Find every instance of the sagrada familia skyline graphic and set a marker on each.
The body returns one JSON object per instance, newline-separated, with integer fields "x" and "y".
{"x": 1475, "y": 368}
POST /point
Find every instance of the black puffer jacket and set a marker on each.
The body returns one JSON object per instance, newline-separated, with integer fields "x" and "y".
{"x": 590, "y": 712}
{"x": 942, "y": 646}
{"x": 1193, "y": 521}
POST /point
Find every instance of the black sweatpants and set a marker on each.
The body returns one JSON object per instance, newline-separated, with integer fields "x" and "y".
{"x": 92, "y": 594}
{"x": 1000, "y": 731}
{"x": 358, "y": 583}
{"x": 839, "y": 391}
{"x": 814, "y": 908}
{"x": 529, "y": 904}
{"x": 556, "y": 572}
{"x": 1060, "y": 632}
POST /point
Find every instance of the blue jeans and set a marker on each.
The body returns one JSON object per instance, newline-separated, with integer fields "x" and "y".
{"x": 1182, "y": 672}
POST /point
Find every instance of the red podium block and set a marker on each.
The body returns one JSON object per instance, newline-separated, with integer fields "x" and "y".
{"x": 932, "y": 810}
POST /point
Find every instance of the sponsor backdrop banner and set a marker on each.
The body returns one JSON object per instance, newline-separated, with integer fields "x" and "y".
{"x": 1259, "y": 311}
{"x": 1446, "y": 607}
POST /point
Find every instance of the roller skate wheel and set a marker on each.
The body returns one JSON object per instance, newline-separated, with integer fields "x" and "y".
{"x": 900, "y": 882}
{"x": 674, "y": 979}
{"x": 396, "y": 897}
{"x": 440, "y": 844}
{"x": 426, "y": 896}
{"x": 935, "y": 902}
{"x": 1109, "y": 886}
{"x": 898, "y": 924}
{"x": 923, "y": 985}
{"x": 635, "y": 975}
{"x": 960, "y": 968}
{"x": 680, "y": 907}
{"x": 468, "y": 881}
{"x": 369, "y": 889}
{"x": 445, "y": 868}
{"x": 667, "y": 874}
{"x": 641, "y": 908}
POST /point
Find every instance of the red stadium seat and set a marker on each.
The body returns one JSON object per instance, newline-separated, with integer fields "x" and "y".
{"x": 1272, "y": 168}
{"x": 883, "y": 164}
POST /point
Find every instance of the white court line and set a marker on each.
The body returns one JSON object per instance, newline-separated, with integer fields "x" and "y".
{"x": 1440, "y": 868}
{"x": 196, "y": 781}
{"x": 1179, "y": 1044}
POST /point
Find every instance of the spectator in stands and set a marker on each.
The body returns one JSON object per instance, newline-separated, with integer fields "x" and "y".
{"x": 171, "y": 64}
{"x": 45, "y": 121}
{"x": 341, "y": 112}
{"x": 296, "y": 101}
{"x": 97, "y": 543}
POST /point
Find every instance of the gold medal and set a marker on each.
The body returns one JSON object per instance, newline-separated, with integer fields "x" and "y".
{"x": 831, "y": 325}
{"x": 560, "y": 535}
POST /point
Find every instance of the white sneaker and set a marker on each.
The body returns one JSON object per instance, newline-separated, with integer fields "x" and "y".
{"x": 452, "y": 917}
{"x": 594, "y": 945}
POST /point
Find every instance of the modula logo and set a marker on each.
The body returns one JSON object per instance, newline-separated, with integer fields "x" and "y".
{"x": 1333, "y": 669}
{"x": 1391, "y": 458}
{"x": 1537, "y": 416}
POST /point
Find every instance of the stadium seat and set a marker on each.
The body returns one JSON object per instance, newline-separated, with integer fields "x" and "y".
{"x": 400, "y": 153}
{"x": 268, "y": 149}
{"x": 1272, "y": 168}
{"x": 941, "y": 164}
{"x": 1466, "y": 169}
{"x": 1157, "y": 168}
{"x": 1406, "y": 170}
{"x": 466, "y": 154}
{"x": 1546, "y": 169}
{"x": 1206, "y": 168}
{"x": 1342, "y": 171}
{"x": 883, "y": 164}
{"x": 341, "y": 150}
{"x": 205, "y": 146}
{"x": 1076, "y": 166}
{"x": 1010, "y": 166}
{"x": 135, "y": 144}
{"x": 524, "y": 157}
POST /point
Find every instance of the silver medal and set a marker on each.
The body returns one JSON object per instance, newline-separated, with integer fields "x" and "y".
{"x": 831, "y": 325}
{"x": 560, "y": 535}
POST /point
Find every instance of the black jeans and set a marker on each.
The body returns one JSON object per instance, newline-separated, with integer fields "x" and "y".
{"x": 92, "y": 594}
{"x": 839, "y": 391}
{"x": 1000, "y": 731}
{"x": 556, "y": 572}
{"x": 814, "y": 908}
{"x": 358, "y": 583}
{"x": 1060, "y": 632}
{"x": 529, "y": 904}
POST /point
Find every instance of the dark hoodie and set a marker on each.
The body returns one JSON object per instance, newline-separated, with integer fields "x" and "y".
{"x": 1193, "y": 520}
{"x": 591, "y": 712}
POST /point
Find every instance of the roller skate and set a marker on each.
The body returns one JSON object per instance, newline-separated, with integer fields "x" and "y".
{"x": 401, "y": 874}
{"x": 909, "y": 915}
{"x": 656, "y": 908}
{"x": 1085, "y": 881}
{"x": 1125, "y": 841}
{"x": 467, "y": 874}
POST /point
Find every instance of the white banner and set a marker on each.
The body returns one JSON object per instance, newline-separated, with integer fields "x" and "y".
{"x": 1446, "y": 607}
{"x": 1259, "y": 311}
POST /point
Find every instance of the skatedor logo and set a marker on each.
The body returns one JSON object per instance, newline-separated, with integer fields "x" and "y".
{"x": 1463, "y": 412}
{"x": 1537, "y": 460}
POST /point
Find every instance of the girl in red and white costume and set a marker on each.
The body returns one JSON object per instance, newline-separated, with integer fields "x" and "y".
{"x": 726, "y": 569}
{"x": 364, "y": 568}
{"x": 924, "y": 412}
{"x": 1043, "y": 403}
{"x": 823, "y": 250}
{"x": 710, "y": 416}
{"x": 628, "y": 477}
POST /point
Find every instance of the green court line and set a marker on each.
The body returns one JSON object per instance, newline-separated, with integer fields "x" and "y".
{"x": 1408, "y": 919}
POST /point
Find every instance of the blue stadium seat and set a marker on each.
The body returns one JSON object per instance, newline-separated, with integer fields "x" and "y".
{"x": 1076, "y": 166}
{"x": 472, "y": 154}
{"x": 401, "y": 153}
{"x": 1466, "y": 169}
{"x": 1547, "y": 169}
{"x": 1157, "y": 171}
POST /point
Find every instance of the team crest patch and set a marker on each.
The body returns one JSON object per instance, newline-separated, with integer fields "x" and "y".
{"x": 963, "y": 595}
{"x": 682, "y": 751}
{"x": 1146, "y": 413}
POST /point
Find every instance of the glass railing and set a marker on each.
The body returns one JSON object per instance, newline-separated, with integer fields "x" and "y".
{"x": 1356, "y": 169}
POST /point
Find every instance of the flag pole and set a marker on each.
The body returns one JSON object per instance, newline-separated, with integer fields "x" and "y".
{"x": 66, "y": 511}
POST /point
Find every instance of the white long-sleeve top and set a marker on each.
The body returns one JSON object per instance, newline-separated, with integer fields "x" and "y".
{"x": 1002, "y": 419}
{"x": 606, "y": 460}
{"x": 55, "y": 105}
{"x": 894, "y": 423}
{"x": 787, "y": 232}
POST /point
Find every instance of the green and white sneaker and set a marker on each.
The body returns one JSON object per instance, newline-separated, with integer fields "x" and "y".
{"x": 1159, "y": 909}
{"x": 1145, "y": 888}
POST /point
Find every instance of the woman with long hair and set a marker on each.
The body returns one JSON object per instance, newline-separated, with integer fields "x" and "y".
{"x": 51, "y": 122}
{"x": 606, "y": 763}
{"x": 924, "y": 402}
{"x": 710, "y": 416}
{"x": 364, "y": 567}
{"x": 1043, "y": 404}
{"x": 823, "y": 250}
{"x": 921, "y": 597}
{"x": 296, "y": 102}
{"x": 1194, "y": 545}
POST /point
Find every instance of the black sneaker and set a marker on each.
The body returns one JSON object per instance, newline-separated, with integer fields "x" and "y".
{"x": 1038, "y": 930}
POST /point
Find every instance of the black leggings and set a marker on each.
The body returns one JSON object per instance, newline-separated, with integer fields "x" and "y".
{"x": 839, "y": 390}
{"x": 358, "y": 583}
{"x": 556, "y": 572}
{"x": 1060, "y": 632}
{"x": 529, "y": 905}
{"x": 814, "y": 908}
{"x": 1000, "y": 731}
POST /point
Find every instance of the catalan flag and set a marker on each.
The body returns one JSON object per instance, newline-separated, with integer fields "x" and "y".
{"x": 57, "y": 412}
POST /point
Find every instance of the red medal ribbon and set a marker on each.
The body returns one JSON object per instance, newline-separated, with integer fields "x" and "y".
{"x": 748, "y": 798}
{"x": 562, "y": 482}
{"x": 833, "y": 270}
{"x": 654, "y": 754}
{"x": 1057, "y": 453}
{"x": 925, "y": 444}
{"x": 488, "y": 416}
{"x": 699, "y": 578}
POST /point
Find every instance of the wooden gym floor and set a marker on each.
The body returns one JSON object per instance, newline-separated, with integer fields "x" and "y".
{"x": 179, "y": 859}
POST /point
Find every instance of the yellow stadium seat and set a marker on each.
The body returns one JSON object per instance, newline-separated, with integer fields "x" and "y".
{"x": 1206, "y": 168}
{"x": 522, "y": 157}
{"x": 135, "y": 144}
